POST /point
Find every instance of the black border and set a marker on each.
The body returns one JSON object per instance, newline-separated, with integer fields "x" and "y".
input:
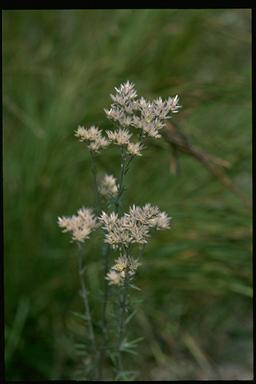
{"x": 8, "y": 5}
{"x": 101, "y": 4}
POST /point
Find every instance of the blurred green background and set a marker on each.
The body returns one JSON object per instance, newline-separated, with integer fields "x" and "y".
{"x": 58, "y": 70}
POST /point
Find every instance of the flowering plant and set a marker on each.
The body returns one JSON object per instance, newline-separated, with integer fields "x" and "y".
{"x": 126, "y": 233}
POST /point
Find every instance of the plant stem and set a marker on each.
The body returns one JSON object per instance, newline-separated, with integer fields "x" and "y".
{"x": 105, "y": 254}
{"x": 84, "y": 294}
{"x": 122, "y": 306}
{"x": 126, "y": 160}
{"x": 94, "y": 174}
{"x": 106, "y": 290}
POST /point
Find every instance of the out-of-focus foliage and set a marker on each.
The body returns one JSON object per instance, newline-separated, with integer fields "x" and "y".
{"x": 58, "y": 70}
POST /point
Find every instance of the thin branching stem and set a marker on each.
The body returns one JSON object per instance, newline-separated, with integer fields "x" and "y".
{"x": 125, "y": 162}
{"x": 121, "y": 331}
{"x": 105, "y": 260}
{"x": 84, "y": 295}
{"x": 106, "y": 290}
{"x": 105, "y": 251}
{"x": 104, "y": 347}
{"x": 94, "y": 174}
{"x": 121, "y": 180}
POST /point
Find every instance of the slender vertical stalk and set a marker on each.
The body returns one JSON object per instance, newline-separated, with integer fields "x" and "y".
{"x": 121, "y": 327}
{"x": 105, "y": 259}
{"x": 106, "y": 290}
{"x": 105, "y": 254}
{"x": 84, "y": 294}
{"x": 94, "y": 174}
{"x": 121, "y": 180}
{"x": 125, "y": 162}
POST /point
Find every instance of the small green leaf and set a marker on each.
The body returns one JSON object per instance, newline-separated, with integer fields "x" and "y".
{"x": 135, "y": 287}
{"x": 130, "y": 317}
{"x": 83, "y": 317}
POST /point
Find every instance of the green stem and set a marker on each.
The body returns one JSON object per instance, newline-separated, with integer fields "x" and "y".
{"x": 84, "y": 294}
{"x": 106, "y": 291}
{"x": 105, "y": 254}
{"x": 94, "y": 174}
{"x": 126, "y": 160}
{"x": 122, "y": 305}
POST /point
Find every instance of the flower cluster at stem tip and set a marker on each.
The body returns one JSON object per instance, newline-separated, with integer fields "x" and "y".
{"x": 128, "y": 110}
{"x": 135, "y": 226}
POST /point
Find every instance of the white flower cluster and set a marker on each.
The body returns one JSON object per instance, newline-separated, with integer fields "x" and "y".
{"x": 108, "y": 186}
{"x": 124, "y": 266}
{"x": 150, "y": 215}
{"x": 132, "y": 227}
{"x": 122, "y": 137}
{"x": 149, "y": 116}
{"x": 134, "y": 149}
{"x": 93, "y": 137}
{"x": 80, "y": 225}
{"x": 128, "y": 110}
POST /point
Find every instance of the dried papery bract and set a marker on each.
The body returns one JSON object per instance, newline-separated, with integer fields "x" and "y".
{"x": 108, "y": 186}
{"x": 134, "y": 149}
{"x": 93, "y": 137}
{"x": 133, "y": 227}
{"x": 150, "y": 216}
{"x": 124, "y": 233}
{"x": 119, "y": 137}
{"x": 80, "y": 225}
{"x": 148, "y": 116}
